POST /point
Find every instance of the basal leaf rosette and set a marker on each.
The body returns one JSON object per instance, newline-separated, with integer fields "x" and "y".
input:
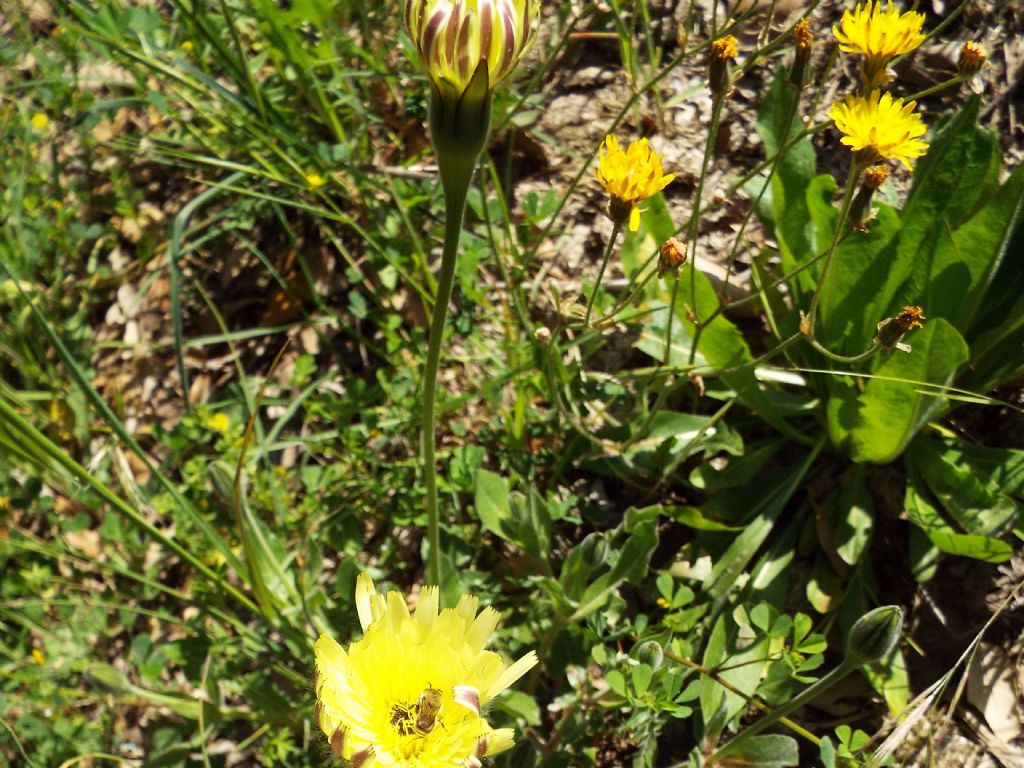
{"x": 879, "y": 126}
{"x": 411, "y": 692}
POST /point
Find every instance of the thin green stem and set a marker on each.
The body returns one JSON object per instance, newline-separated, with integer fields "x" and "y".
{"x": 456, "y": 186}
{"x": 693, "y": 233}
{"x": 844, "y": 210}
{"x": 616, "y": 228}
{"x": 833, "y": 677}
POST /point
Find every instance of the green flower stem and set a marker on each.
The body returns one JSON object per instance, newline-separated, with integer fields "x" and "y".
{"x": 844, "y": 211}
{"x": 616, "y": 229}
{"x": 780, "y": 712}
{"x": 692, "y": 235}
{"x": 456, "y": 185}
{"x": 710, "y": 673}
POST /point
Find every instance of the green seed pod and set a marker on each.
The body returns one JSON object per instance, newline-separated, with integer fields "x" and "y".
{"x": 874, "y": 635}
{"x": 649, "y": 652}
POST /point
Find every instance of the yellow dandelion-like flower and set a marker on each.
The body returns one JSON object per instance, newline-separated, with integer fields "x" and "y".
{"x": 40, "y": 121}
{"x": 880, "y": 126}
{"x": 879, "y": 35}
{"x": 315, "y": 180}
{"x": 629, "y": 177}
{"x": 411, "y": 692}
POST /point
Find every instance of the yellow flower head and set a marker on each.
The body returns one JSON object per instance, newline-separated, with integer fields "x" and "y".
{"x": 802, "y": 35}
{"x": 629, "y": 177}
{"x": 878, "y": 35}
{"x": 725, "y": 48}
{"x": 455, "y": 36}
{"x": 880, "y": 126}
{"x": 315, "y": 180}
{"x": 411, "y": 692}
{"x": 40, "y": 121}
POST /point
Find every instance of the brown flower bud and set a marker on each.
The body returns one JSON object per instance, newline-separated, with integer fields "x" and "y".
{"x": 892, "y": 329}
{"x": 723, "y": 50}
{"x": 972, "y": 58}
{"x": 671, "y": 257}
{"x": 860, "y": 210}
{"x": 803, "y": 39}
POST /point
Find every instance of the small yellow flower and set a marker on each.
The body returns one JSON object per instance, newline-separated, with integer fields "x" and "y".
{"x": 188, "y": 46}
{"x": 217, "y": 422}
{"x": 315, "y": 180}
{"x": 878, "y": 35}
{"x": 725, "y": 48}
{"x": 38, "y": 657}
{"x": 629, "y": 177}
{"x": 40, "y": 121}
{"x": 880, "y": 126}
{"x": 411, "y": 692}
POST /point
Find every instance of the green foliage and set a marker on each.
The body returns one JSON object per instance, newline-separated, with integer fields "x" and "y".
{"x": 216, "y": 265}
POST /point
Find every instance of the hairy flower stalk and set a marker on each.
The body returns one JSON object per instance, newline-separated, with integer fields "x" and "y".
{"x": 467, "y": 48}
{"x": 411, "y": 692}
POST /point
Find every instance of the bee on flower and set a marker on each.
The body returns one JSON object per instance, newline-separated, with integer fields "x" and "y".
{"x": 411, "y": 692}
{"x": 629, "y": 177}
{"x": 879, "y": 35}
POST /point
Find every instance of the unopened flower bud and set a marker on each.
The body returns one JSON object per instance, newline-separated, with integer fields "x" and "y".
{"x": 650, "y": 653}
{"x": 874, "y": 635}
{"x": 723, "y": 50}
{"x": 972, "y": 58}
{"x": 803, "y": 39}
{"x": 542, "y": 335}
{"x": 892, "y": 329}
{"x": 860, "y": 210}
{"x": 671, "y": 256}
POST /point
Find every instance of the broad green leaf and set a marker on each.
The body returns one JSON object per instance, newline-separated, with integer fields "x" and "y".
{"x": 631, "y": 564}
{"x": 766, "y": 503}
{"x": 771, "y": 751}
{"x": 854, "y": 513}
{"x": 721, "y": 348}
{"x": 892, "y": 407}
{"x": 966, "y": 261}
{"x": 742, "y": 668}
{"x": 492, "y": 504}
{"x": 889, "y": 678}
{"x": 966, "y": 496}
{"x": 925, "y": 516}
{"x": 860, "y": 282}
{"x": 784, "y": 206}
